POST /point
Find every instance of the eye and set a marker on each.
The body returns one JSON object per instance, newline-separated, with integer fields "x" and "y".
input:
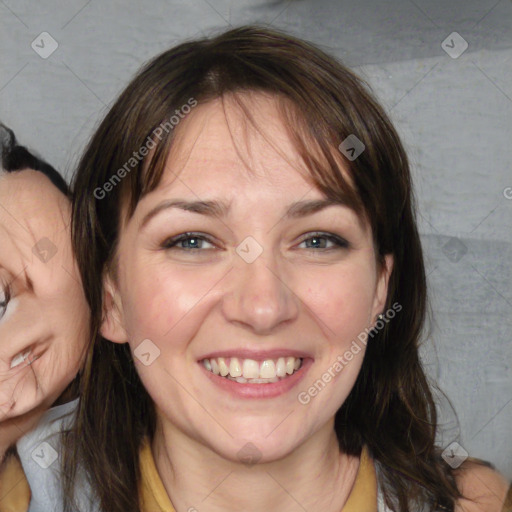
{"x": 194, "y": 242}
{"x": 320, "y": 240}
{"x": 5, "y": 297}
{"x": 187, "y": 242}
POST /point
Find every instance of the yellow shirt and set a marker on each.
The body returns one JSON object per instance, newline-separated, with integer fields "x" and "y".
{"x": 14, "y": 488}
{"x": 154, "y": 498}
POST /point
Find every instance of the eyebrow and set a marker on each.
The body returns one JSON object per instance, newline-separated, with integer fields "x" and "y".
{"x": 219, "y": 209}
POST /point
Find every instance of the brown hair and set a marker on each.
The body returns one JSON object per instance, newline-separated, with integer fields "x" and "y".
{"x": 391, "y": 408}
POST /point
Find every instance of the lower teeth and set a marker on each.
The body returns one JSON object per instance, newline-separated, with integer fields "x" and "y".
{"x": 242, "y": 380}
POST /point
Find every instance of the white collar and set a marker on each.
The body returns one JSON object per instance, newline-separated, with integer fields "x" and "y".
{"x": 40, "y": 454}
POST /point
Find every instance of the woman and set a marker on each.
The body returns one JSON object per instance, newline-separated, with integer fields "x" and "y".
{"x": 248, "y": 205}
{"x": 43, "y": 323}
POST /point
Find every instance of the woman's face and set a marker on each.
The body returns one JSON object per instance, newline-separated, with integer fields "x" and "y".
{"x": 262, "y": 278}
{"x": 43, "y": 311}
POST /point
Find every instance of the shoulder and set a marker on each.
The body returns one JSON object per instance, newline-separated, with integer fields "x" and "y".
{"x": 484, "y": 488}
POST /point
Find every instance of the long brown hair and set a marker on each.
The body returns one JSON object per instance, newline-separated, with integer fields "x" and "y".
{"x": 391, "y": 407}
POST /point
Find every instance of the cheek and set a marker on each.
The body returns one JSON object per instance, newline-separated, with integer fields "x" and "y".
{"x": 67, "y": 313}
{"x": 342, "y": 299}
{"x": 159, "y": 299}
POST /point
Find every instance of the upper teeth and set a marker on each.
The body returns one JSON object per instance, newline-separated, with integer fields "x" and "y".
{"x": 251, "y": 369}
{"x": 19, "y": 359}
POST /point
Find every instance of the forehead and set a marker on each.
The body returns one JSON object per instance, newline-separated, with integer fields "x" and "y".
{"x": 31, "y": 207}
{"x": 224, "y": 142}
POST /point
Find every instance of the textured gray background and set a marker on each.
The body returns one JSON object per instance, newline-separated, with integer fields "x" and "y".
{"x": 454, "y": 114}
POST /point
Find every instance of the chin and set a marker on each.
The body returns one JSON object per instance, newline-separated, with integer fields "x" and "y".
{"x": 260, "y": 447}
{"x": 254, "y": 452}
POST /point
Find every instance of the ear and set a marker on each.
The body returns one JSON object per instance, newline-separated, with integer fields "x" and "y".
{"x": 381, "y": 291}
{"x": 112, "y": 324}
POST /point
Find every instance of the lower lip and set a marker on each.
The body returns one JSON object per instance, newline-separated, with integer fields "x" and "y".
{"x": 253, "y": 390}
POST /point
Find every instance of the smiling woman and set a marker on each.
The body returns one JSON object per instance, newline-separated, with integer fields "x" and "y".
{"x": 229, "y": 271}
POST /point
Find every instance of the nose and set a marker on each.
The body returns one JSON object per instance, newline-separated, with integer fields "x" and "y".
{"x": 259, "y": 297}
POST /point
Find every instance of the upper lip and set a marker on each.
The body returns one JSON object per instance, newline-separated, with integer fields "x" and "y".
{"x": 257, "y": 354}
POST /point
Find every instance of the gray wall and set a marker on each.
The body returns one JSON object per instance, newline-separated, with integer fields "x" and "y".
{"x": 453, "y": 111}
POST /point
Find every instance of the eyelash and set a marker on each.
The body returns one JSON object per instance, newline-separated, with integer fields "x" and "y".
{"x": 171, "y": 243}
{"x": 6, "y": 298}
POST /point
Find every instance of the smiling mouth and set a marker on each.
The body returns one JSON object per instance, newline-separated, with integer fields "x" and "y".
{"x": 251, "y": 371}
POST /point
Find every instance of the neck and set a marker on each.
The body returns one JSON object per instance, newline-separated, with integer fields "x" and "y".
{"x": 315, "y": 476}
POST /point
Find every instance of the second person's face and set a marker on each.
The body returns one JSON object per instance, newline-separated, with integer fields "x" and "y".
{"x": 43, "y": 312}
{"x": 224, "y": 269}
